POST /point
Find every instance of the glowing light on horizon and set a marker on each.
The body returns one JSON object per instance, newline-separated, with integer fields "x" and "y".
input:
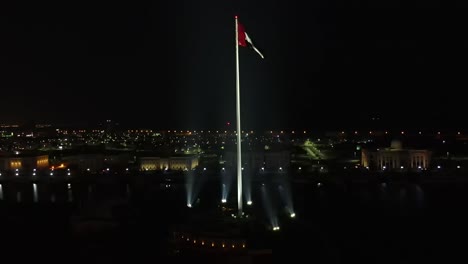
{"x": 192, "y": 186}
{"x": 285, "y": 194}
{"x": 226, "y": 182}
{"x": 70, "y": 193}
{"x": 35, "y": 195}
{"x": 269, "y": 208}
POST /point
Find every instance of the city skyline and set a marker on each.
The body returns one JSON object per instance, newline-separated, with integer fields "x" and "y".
{"x": 171, "y": 65}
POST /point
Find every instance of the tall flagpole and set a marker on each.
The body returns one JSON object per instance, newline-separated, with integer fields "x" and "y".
{"x": 239, "y": 155}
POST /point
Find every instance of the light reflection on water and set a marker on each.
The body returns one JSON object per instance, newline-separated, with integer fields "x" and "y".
{"x": 35, "y": 195}
{"x": 281, "y": 192}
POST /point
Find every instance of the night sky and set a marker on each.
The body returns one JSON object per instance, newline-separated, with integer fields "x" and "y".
{"x": 171, "y": 64}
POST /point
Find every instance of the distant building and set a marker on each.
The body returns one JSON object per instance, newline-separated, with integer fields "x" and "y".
{"x": 117, "y": 159}
{"x": 91, "y": 161}
{"x": 186, "y": 162}
{"x": 269, "y": 159}
{"x": 91, "y": 158}
{"x": 23, "y": 161}
{"x": 395, "y": 157}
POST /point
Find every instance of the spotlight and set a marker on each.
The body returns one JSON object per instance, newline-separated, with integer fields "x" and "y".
{"x": 293, "y": 215}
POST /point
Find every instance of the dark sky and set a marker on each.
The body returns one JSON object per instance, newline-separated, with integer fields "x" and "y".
{"x": 171, "y": 64}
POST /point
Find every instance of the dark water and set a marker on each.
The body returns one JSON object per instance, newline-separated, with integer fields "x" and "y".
{"x": 375, "y": 223}
{"x": 396, "y": 222}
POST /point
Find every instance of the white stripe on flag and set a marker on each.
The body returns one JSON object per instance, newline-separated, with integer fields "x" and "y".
{"x": 251, "y": 43}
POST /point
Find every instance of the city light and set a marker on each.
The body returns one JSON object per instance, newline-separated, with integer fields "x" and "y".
{"x": 272, "y": 206}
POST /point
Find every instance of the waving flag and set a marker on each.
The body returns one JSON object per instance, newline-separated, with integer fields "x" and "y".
{"x": 244, "y": 39}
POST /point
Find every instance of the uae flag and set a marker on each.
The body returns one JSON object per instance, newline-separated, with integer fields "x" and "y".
{"x": 244, "y": 39}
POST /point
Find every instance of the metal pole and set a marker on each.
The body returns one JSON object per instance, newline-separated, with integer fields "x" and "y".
{"x": 239, "y": 142}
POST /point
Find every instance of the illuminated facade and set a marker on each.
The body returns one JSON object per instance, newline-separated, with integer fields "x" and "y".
{"x": 171, "y": 163}
{"x": 14, "y": 162}
{"x": 269, "y": 160}
{"x": 85, "y": 161}
{"x": 395, "y": 157}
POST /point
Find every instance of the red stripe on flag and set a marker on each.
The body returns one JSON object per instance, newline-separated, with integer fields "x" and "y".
{"x": 241, "y": 35}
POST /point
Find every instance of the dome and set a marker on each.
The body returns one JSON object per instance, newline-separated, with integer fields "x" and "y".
{"x": 396, "y": 144}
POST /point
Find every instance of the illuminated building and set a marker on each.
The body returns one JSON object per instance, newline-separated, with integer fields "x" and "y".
{"x": 21, "y": 161}
{"x": 269, "y": 159}
{"x": 83, "y": 162}
{"x": 395, "y": 157}
{"x": 185, "y": 162}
